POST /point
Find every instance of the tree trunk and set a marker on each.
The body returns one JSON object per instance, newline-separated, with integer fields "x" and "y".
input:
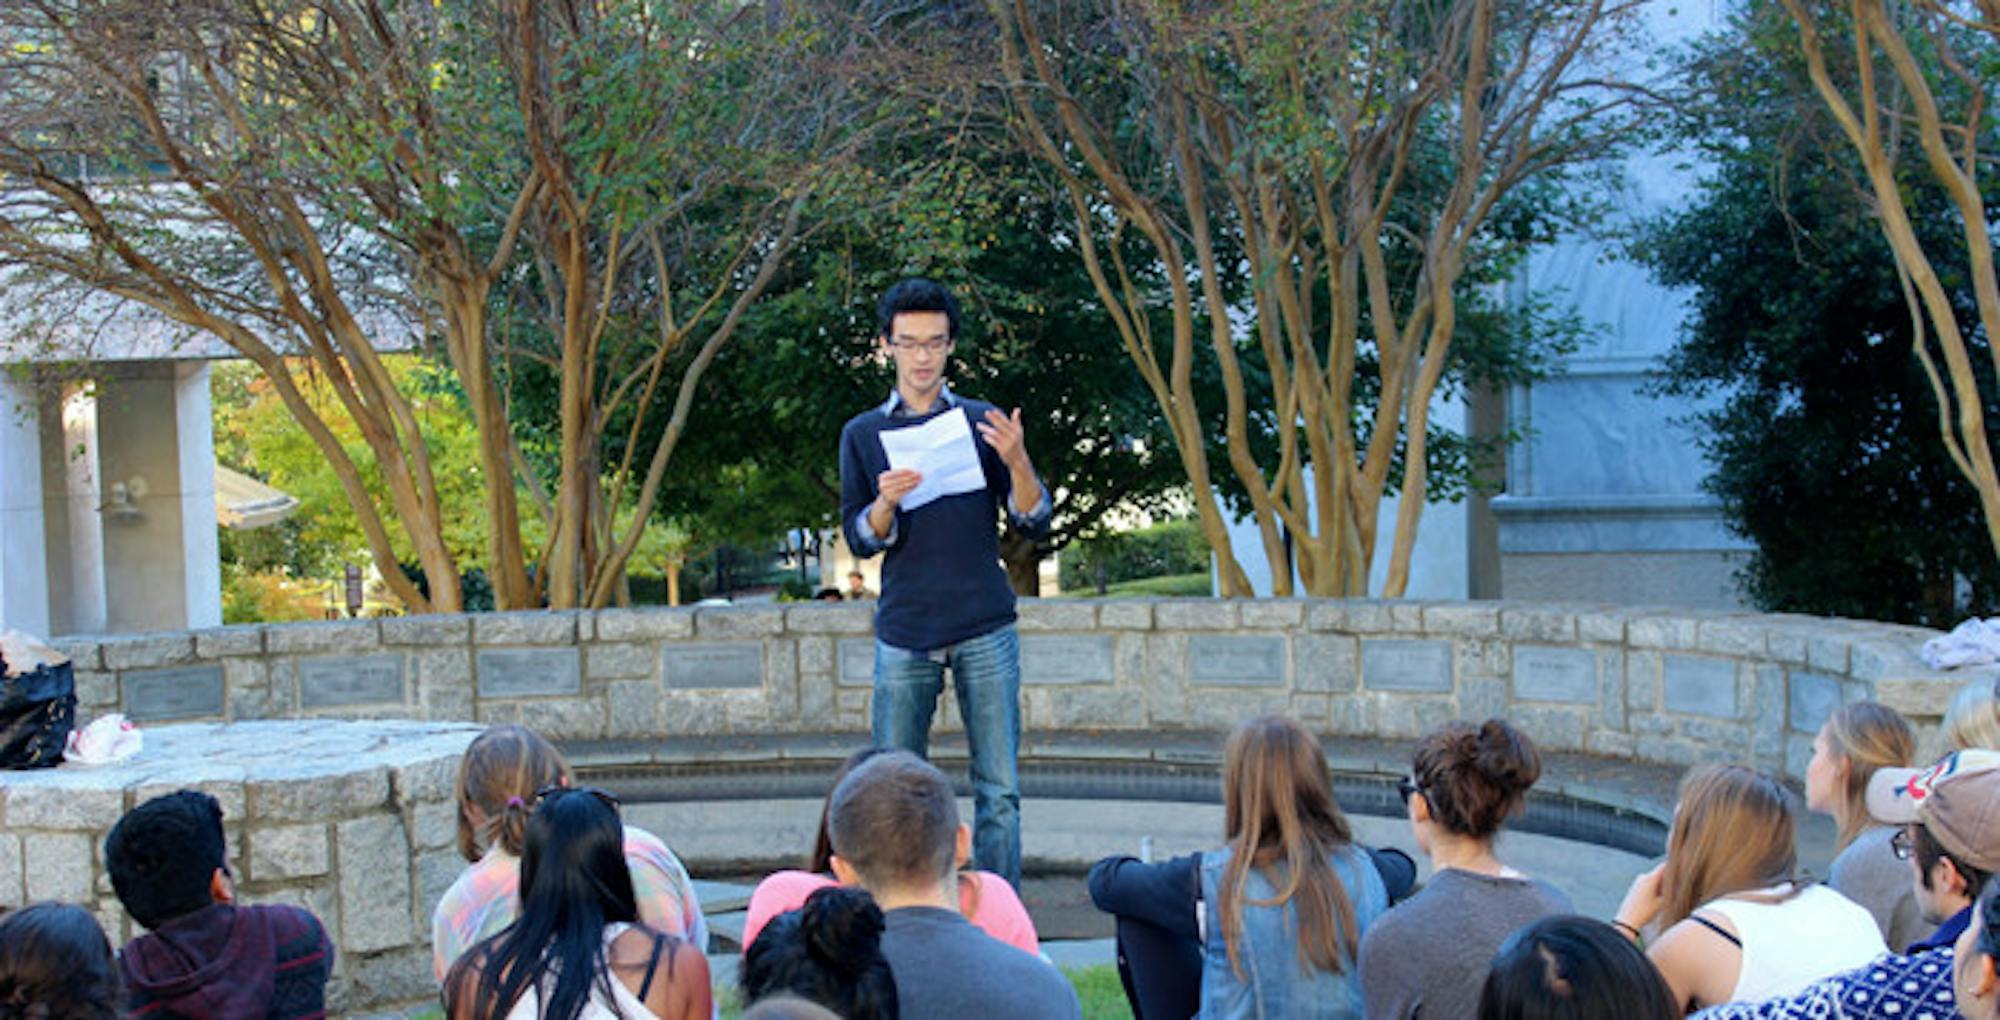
{"x": 1023, "y": 557}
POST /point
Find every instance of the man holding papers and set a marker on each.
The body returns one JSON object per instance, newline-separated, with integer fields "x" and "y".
{"x": 922, "y": 477}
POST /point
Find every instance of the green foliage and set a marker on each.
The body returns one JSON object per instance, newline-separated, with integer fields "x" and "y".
{"x": 1171, "y": 547}
{"x": 1824, "y": 435}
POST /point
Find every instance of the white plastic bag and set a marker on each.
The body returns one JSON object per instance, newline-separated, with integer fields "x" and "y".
{"x": 109, "y": 738}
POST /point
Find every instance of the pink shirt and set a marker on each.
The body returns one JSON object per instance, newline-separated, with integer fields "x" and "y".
{"x": 1000, "y": 913}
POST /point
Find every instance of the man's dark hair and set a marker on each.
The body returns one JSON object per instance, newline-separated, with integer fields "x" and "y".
{"x": 893, "y": 819}
{"x": 915, "y": 294}
{"x": 1567, "y": 967}
{"x": 1928, "y": 852}
{"x": 163, "y": 854}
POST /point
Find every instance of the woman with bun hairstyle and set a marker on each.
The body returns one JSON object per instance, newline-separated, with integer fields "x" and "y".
{"x": 55, "y": 964}
{"x": 1855, "y": 741}
{"x": 577, "y": 950}
{"x": 1736, "y": 923}
{"x": 828, "y": 952}
{"x": 499, "y": 780}
{"x": 986, "y": 899}
{"x": 1272, "y": 921}
{"x": 1428, "y": 955}
{"x": 1573, "y": 968}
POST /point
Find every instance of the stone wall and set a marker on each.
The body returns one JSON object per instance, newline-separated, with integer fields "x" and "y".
{"x": 1669, "y": 686}
{"x": 354, "y": 821}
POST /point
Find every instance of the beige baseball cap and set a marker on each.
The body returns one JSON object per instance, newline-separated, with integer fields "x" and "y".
{"x": 1957, "y": 800}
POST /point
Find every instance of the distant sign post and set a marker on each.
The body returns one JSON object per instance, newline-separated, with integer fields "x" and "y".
{"x": 353, "y": 590}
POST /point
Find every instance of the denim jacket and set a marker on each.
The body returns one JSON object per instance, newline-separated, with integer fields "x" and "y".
{"x": 1276, "y": 983}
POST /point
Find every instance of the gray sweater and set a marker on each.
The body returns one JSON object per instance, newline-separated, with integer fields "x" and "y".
{"x": 949, "y": 970}
{"x": 1428, "y": 956}
{"x": 1868, "y": 873}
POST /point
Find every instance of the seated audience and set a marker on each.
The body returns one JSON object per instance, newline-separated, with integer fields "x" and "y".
{"x": 1857, "y": 740}
{"x": 1272, "y": 921}
{"x": 1737, "y": 924}
{"x": 1973, "y": 720}
{"x": 1464, "y": 781}
{"x": 1976, "y": 964}
{"x": 828, "y": 951}
{"x": 986, "y": 899}
{"x": 55, "y": 964}
{"x": 497, "y": 783}
{"x": 205, "y": 956}
{"x": 896, "y": 833}
{"x": 577, "y": 948}
{"x": 1572, "y": 968}
{"x": 1955, "y": 802}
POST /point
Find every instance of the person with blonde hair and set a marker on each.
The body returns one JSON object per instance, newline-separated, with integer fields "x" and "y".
{"x": 505, "y": 771}
{"x": 1465, "y": 780}
{"x": 1736, "y": 922}
{"x": 1856, "y": 741}
{"x": 1973, "y": 720}
{"x": 1278, "y": 914}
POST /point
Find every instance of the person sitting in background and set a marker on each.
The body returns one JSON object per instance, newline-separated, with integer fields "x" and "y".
{"x": 498, "y": 780}
{"x": 986, "y": 899}
{"x": 1465, "y": 780}
{"x": 1857, "y": 740}
{"x": 1572, "y": 968}
{"x": 828, "y": 951}
{"x": 1271, "y": 922}
{"x": 1975, "y": 964}
{"x": 56, "y": 964}
{"x": 205, "y": 956}
{"x": 1737, "y": 924}
{"x": 1956, "y": 801}
{"x": 577, "y": 950}
{"x": 1973, "y": 720}
{"x": 896, "y": 833}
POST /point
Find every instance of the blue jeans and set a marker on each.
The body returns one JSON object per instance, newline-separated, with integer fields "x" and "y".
{"x": 986, "y": 671}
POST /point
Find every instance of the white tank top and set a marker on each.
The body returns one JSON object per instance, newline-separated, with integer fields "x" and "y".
{"x": 623, "y": 1005}
{"x": 1796, "y": 941}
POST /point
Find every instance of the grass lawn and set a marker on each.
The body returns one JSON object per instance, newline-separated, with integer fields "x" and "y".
{"x": 1197, "y": 584}
{"x": 1102, "y": 996}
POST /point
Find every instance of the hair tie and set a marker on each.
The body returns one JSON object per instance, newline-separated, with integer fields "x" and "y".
{"x": 516, "y": 802}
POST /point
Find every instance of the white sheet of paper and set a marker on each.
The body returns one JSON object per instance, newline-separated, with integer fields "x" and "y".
{"x": 941, "y": 450}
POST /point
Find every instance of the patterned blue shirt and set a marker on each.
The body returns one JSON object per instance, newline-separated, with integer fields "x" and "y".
{"x": 1894, "y": 987}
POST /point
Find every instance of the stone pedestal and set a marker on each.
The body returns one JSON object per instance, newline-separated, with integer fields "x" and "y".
{"x": 354, "y": 821}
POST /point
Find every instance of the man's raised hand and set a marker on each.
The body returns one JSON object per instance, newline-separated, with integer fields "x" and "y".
{"x": 1005, "y": 435}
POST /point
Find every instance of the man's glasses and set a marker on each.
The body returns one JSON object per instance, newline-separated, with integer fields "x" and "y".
{"x": 603, "y": 797}
{"x": 1899, "y": 844}
{"x": 925, "y": 346}
{"x": 1407, "y": 788}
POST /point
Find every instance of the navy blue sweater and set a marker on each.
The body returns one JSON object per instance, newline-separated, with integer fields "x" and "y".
{"x": 941, "y": 579}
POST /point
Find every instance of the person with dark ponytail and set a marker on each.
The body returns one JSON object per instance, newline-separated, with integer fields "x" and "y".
{"x": 828, "y": 952}
{"x": 1465, "y": 780}
{"x": 55, "y": 964}
{"x": 497, "y": 783}
{"x": 577, "y": 951}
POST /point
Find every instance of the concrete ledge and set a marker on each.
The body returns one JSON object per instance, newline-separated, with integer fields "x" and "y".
{"x": 1660, "y": 685}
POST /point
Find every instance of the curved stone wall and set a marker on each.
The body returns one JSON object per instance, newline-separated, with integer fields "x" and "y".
{"x": 1665, "y": 686}
{"x": 354, "y": 821}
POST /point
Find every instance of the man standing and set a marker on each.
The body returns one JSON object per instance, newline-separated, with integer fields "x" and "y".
{"x": 945, "y": 601}
{"x": 857, "y": 587}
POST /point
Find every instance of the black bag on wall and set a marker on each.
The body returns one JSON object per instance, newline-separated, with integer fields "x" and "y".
{"x": 37, "y": 710}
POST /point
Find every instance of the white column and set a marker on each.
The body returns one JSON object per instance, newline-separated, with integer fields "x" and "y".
{"x": 200, "y": 543}
{"x": 70, "y": 498}
{"x": 156, "y": 446}
{"x": 24, "y": 585}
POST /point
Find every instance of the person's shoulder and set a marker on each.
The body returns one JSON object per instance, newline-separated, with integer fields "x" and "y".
{"x": 869, "y": 419}
{"x": 639, "y": 842}
{"x": 791, "y": 883}
{"x": 284, "y": 915}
